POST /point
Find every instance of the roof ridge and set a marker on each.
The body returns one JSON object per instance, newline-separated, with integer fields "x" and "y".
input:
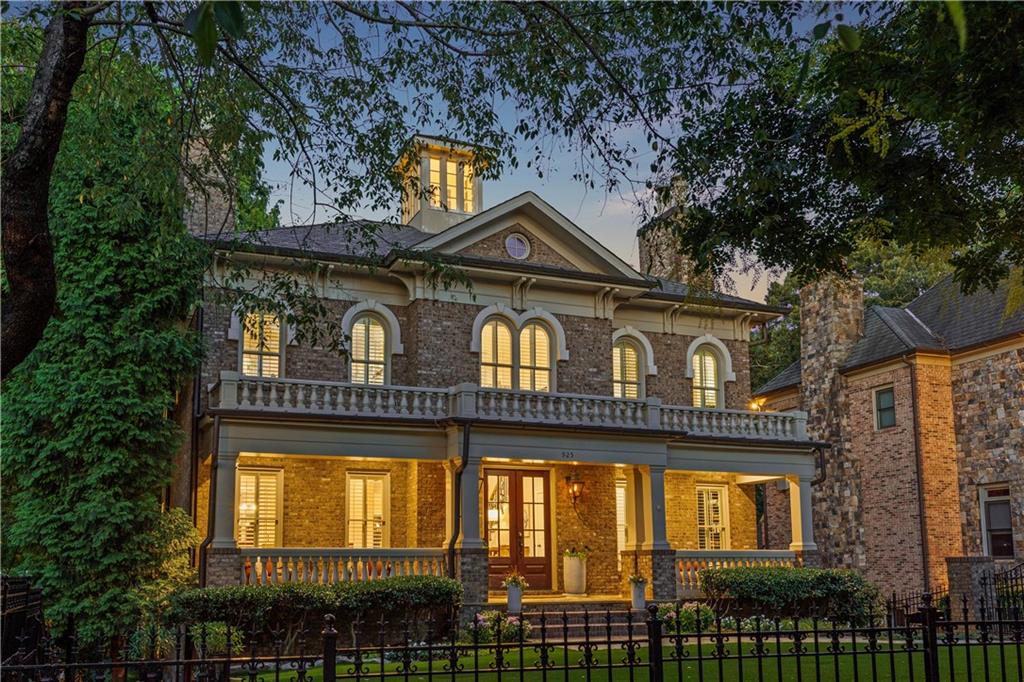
{"x": 904, "y": 339}
{"x": 937, "y": 337}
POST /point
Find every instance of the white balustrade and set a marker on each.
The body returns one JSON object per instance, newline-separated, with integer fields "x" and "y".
{"x": 690, "y": 562}
{"x": 268, "y": 566}
{"x": 234, "y": 392}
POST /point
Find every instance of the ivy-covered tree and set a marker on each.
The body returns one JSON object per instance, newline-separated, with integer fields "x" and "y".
{"x": 88, "y": 438}
{"x": 893, "y": 276}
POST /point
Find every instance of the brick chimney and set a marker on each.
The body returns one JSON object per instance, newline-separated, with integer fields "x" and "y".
{"x": 209, "y": 208}
{"x": 660, "y": 249}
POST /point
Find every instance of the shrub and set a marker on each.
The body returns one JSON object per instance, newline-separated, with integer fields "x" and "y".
{"x": 488, "y": 624}
{"x": 685, "y": 617}
{"x": 837, "y": 594}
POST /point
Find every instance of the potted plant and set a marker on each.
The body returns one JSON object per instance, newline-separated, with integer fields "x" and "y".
{"x": 637, "y": 585}
{"x": 514, "y": 584}
{"x": 574, "y": 570}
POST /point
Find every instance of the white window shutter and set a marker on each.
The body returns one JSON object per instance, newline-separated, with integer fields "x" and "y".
{"x": 235, "y": 327}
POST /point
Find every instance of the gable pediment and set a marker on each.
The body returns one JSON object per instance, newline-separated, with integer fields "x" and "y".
{"x": 553, "y": 239}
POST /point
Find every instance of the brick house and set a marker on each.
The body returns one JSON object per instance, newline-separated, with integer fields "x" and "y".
{"x": 561, "y": 399}
{"x": 924, "y": 408}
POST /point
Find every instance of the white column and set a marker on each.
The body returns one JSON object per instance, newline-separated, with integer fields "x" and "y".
{"x": 801, "y": 518}
{"x": 469, "y": 492}
{"x": 224, "y": 506}
{"x": 449, "y": 498}
{"x": 656, "y": 536}
{"x": 634, "y": 509}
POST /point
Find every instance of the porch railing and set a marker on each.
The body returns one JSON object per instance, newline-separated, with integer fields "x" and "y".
{"x": 266, "y": 566}
{"x": 293, "y": 396}
{"x": 690, "y": 562}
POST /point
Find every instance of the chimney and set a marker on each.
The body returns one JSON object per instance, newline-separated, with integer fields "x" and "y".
{"x": 209, "y": 207}
{"x": 659, "y": 245}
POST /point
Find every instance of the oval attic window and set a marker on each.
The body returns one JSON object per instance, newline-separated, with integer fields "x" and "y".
{"x": 517, "y": 246}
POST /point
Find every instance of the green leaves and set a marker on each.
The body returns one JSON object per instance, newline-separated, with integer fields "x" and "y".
{"x": 821, "y": 30}
{"x": 849, "y": 37}
{"x": 956, "y": 15}
{"x": 203, "y": 21}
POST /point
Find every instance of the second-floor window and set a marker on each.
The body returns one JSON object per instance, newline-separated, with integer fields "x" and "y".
{"x": 369, "y": 351}
{"x": 496, "y": 355}
{"x": 625, "y": 370}
{"x": 508, "y": 361}
{"x": 261, "y": 345}
{"x": 705, "y": 378}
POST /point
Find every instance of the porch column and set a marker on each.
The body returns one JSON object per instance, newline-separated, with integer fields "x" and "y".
{"x": 469, "y": 493}
{"x": 449, "y": 500}
{"x": 224, "y": 507}
{"x": 634, "y": 509}
{"x": 471, "y": 553}
{"x": 801, "y": 519}
{"x": 657, "y": 538}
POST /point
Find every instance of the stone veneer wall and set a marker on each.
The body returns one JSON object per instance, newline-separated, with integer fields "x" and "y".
{"x": 681, "y": 509}
{"x": 540, "y": 252}
{"x": 832, "y": 319}
{"x": 988, "y": 396}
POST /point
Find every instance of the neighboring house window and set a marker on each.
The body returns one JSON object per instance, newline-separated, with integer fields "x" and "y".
{"x": 261, "y": 345}
{"x": 467, "y": 188}
{"x": 705, "y": 378}
{"x": 626, "y": 370}
{"x": 452, "y": 184}
{"x": 620, "y": 520}
{"x": 996, "y": 524}
{"x": 534, "y": 358}
{"x": 435, "y": 181}
{"x": 369, "y": 351}
{"x": 496, "y": 355}
{"x": 712, "y": 517}
{"x": 885, "y": 408}
{"x": 259, "y": 508}
{"x": 367, "y": 510}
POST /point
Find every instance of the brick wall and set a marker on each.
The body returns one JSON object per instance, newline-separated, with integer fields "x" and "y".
{"x": 591, "y": 524}
{"x": 671, "y": 383}
{"x": 540, "y": 251}
{"x": 779, "y": 531}
{"x": 589, "y": 367}
{"x": 681, "y": 509}
{"x": 989, "y": 422}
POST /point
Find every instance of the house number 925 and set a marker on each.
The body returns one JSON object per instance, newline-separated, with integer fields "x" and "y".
{"x": 568, "y": 454}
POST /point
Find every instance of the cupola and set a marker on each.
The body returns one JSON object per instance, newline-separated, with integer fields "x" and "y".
{"x": 444, "y": 168}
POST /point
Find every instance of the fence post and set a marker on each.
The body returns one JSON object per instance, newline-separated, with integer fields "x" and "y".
{"x": 654, "y": 643}
{"x": 930, "y": 636}
{"x": 330, "y": 649}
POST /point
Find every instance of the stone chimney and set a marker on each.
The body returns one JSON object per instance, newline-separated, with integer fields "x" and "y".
{"x": 831, "y": 322}
{"x": 209, "y": 207}
{"x": 660, "y": 249}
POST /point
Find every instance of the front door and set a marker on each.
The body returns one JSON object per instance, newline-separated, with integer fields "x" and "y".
{"x": 518, "y": 526}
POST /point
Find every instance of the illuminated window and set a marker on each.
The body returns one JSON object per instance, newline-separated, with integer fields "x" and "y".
{"x": 712, "y": 517}
{"x": 705, "y": 378}
{"x": 261, "y": 345}
{"x": 435, "y": 182}
{"x": 534, "y": 358}
{"x": 259, "y": 508}
{"x": 367, "y": 510}
{"x": 467, "y": 188}
{"x": 625, "y": 370}
{"x": 496, "y": 355}
{"x": 997, "y": 521}
{"x": 452, "y": 185}
{"x": 369, "y": 351}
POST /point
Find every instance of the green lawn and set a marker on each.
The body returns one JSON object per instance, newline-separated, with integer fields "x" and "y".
{"x": 848, "y": 669}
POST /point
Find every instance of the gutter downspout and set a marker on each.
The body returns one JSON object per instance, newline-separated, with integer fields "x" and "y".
{"x": 920, "y": 468}
{"x": 212, "y": 502}
{"x": 457, "y": 498}
{"x": 193, "y": 467}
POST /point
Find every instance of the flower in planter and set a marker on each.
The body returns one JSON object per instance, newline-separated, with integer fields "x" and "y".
{"x": 515, "y": 579}
{"x": 488, "y": 624}
{"x": 577, "y": 553}
{"x": 636, "y": 579}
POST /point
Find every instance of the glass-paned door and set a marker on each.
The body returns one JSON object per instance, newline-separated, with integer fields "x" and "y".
{"x": 367, "y": 510}
{"x": 259, "y": 508}
{"x": 518, "y": 526}
{"x": 712, "y": 521}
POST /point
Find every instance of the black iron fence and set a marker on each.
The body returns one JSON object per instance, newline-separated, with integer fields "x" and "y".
{"x": 672, "y": 642}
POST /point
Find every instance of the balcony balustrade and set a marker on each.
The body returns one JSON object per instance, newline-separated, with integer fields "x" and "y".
{"x": 291, "y": 396}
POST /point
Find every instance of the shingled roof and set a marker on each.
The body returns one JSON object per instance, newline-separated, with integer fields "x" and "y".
{"x": 941, "y": 320}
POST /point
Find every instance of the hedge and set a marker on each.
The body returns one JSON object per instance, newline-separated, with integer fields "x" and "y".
{"x": 399, "y": 602}
{"x": 837, "y": 594}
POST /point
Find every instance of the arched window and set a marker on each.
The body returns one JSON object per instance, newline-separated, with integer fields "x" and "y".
{"x": 496, "y": 355}
{"x": 369, "y": 351}
{"x": 261, "y": 345}
{"x": 705, "y": 378}
{"x": 626, "y": 371}
{"x": 534, "y": 358}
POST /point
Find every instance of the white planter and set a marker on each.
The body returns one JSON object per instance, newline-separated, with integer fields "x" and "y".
{"x": 515, "y": 599}
{"x": 574, "y": 575}
{"x": 637, "y": 595}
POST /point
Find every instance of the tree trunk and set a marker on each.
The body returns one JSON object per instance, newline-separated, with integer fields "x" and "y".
{"x": 27, "y": 248}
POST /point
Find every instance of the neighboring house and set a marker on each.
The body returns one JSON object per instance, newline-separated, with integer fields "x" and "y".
{"x": 924, "y": 408}
{"x": 566, "y": 400}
